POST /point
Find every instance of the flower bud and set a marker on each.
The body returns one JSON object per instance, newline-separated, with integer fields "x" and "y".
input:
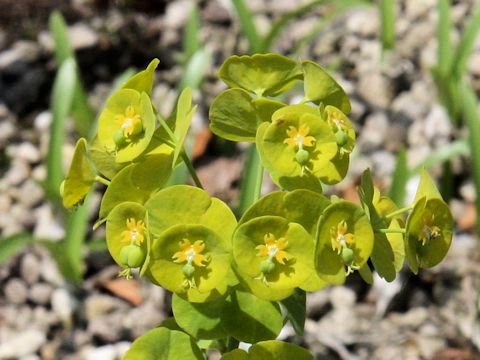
{"x": 302, "y": 156}
{"x": 132, "y": 256}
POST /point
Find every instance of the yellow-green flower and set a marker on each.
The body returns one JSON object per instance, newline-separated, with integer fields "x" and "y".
{"x": 130, "y": 122}
{"x": 135, "y": 232}
{"x": 191, "y": 253}
{"x": 299, "y": 138}
{"x": 273, "y": 248}
{"x": 340, "y": 238}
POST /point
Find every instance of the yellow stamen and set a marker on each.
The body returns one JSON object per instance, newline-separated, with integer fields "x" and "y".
{"x": 129, "y": 122}
{"x": 273, "y": 248}
{"x": 340, "y": 238}
{"x": 428, "y": 230}
{"x": 299, "y": 138}
{"x": 135, "y": 232}
{"x": 191, "y": 253}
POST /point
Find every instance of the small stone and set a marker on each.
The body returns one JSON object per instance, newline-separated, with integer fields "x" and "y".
{"x": 82, "y": 36}
{"x": 23, "y": 50}
{"x": 438, "y": 125}
{"x": 108, "y": 327}
{"x": 22, "y": 344}
{"x": 7, "y": 131}
{"x": 374, "y": 132}
{"x": 467, "y": 191}
{"x": 16, "y": 291}
{"x": 342, "y": 297}
{"x": 364, "y": 22}
{"x": 47, "y": 226}
{"x": 30, "y": 268}
{"x": 43, "y": 120}
{"x": 106, "y": 352}
{"x": 30, "y": 193}
{"x": 18, "y": 172}
{"x": 49, "y": 271}
{"x": 375, "y": 89}
{"x": 97, "y": 305}
{"x": 63, "y": 303}
{"x": 24, "y": 151}
{"x": 176, "y": 13}
{"x": 40, "y": 293}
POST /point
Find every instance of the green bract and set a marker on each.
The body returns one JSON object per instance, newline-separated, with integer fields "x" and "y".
{"x": 184, "y": 116}
{"x": 320, "y": 87}
{"x": 345, "y": 240}
{"x": 261, "y": 74}
{"x": 80, "y": 176}
{"x": 164, "y": 344}
{"x": 184, "y": 212}
{"x": 143, "y": 81}
{"x": 270, "y": 350}
{"x": 128, "y": 238}
{"x": 234, "y": 115}
{"x": 126, "y": 124}
{"x": 272, "y": 251}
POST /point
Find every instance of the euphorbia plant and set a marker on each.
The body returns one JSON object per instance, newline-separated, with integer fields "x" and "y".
{"x": 242, "y": 280}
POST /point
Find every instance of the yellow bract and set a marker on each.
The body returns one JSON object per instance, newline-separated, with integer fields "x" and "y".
{"x": 191, "y": 253}
{"x": 273, "y": 248}
{"x": 429, "y": 230}
{"x": 135, "y": 231}
{"x": 299, "y": 138}
{"x": 340, "y": 238}
{"x": 130, "y": 122}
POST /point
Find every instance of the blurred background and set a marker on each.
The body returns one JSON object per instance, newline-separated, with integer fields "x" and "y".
{"x": 412, "y": 70}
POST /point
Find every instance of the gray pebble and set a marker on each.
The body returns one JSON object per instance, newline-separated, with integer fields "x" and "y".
{"x": 375, "y": 89}
{"x": 30, "y": 268}
{"x": 40, "y": 293}
{"x": 22, "y": 344}
{"x": 16, "y": 291}
{"x": 63, "y": 303}
{"x": 17, "y": 173}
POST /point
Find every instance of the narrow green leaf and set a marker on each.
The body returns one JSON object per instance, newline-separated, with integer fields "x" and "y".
{"x": 387, "y": 11}
{"x": 466, "y": 44}
{"x": 400, "y": 178}
{"x": 12, "y": 245}
{"x": 245, "y": 18}
{"x": 444, "y": 26}
{"x": 195, "y": 70}
{"x": 58, "y": 29}
{"x": 296, "y": 307}
{"x": 185, "y": 113}
{"x": 472, "y": 120}
{"x": 251, "y": 181}
{"x": 191, "y": 42}
{"x": 61, "y": 103}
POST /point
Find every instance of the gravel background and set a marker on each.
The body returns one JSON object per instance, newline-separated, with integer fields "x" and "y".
{"x": 430, "y": 316}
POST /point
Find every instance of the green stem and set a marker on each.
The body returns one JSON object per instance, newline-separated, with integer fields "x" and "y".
{"x": 167, "y": 129}
{"x": 399, "y": 212}
{"x": 191, "y": 169}
{"x": 252, "y": 180}
{"x": 391, "y": 231}
{"x": 102, "y": 180}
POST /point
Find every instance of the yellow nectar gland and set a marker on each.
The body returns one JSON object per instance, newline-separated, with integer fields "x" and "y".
{"x": 273, "y": 248}
{"x": 135, "y": 232}
{"x": 191, "y": 253}
{"x": 299, "y": 138}
{"x": 130, "y": 122}
{"x": 340, "y": 238}
{"x": 337, "y": 124}
{"x": 428, "y": 230}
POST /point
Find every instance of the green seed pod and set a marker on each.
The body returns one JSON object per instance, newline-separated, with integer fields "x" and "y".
{"x": 132, "y": 256}
{"x": 62, "y": 188}
{"x": 302, "y": 156}
{"x": 341, "y": 137}
{"x": 347, "y": 256}
{"x": 119, "y": 138}
{"x": 188, "y": 270}
{"x": 267, "y": 266}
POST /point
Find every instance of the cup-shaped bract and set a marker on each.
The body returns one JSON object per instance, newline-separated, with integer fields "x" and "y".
{"x": 186, "y": 257}
{"x": 80, "y": 176}
{"x": 275, "y": 253}
{"x": 179, "y": 208}
{"x": 126, "y": 124}
{"x": 320, "y": 87}
{"x": 128, "y": 237}
{"x": 143, "y": 81}
{"x": 345, "y": 241}
{"x": 429, "y": 233}
{"x": 260, "y": 74}
{"x": 342, "y": 128}
{"x": 298, "y": 144}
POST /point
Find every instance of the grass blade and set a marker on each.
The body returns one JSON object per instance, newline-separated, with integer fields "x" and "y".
{"x": 58, "y": 29}
{"x": 472, "y": 120}
{"x": 195, "y": 70}
{"x": 400, "y": 178}
{"x": 387, "y": 13}
{"x": 61, "y": 104}
{"x": 12, "y": 245}
{"x": 444, "y": 26}
{"x": 191, "y": 42}
{"x": 466, "y": 44}
{"x": 248, "y": 27}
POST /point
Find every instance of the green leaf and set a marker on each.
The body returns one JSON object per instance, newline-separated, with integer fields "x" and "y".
{"x": 191, "y": 42}
{"x": 382, "y": 257}
{"x": 444, "y": 28}
{"x": 296, "y": 307}
{"x": 164, "y": 344}
{"x": 261, "y": 74}
{"x": 61, "y": 104}
{"x": 278, "y": 350}
{"x": 143, "y": 81}
{"x": 400, "y": 177}
{"x": 196, "y": 69}
{"x": 250, "y": 319}
{"x": 104, "y": 160}
{"x": 248, "y": 27}
{"x": 319, "y": 87}
{"x": 80, "y": 176}
{"x": 201, "y": 320}
{"x": 185, "y": 113}
{"x": 12, "y": 245}
{"x": 58, "y": 29}
{"x": 427, "y": 188}
{"x": 366, "y": 274}
{"x": 237, "y": 354}
{"x": 387, "y": 11}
